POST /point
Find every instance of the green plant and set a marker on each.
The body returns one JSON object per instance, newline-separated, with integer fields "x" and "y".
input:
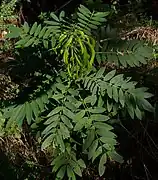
{"x": 73, "y": 42}
{"x": 7, "y": 16}
{"x": 7, "y": 13}
{"x": 74, "y": 116}
{"x": 77, "y": 122}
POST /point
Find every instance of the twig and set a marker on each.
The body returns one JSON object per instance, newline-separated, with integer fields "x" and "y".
{"x": 63, "y": 6}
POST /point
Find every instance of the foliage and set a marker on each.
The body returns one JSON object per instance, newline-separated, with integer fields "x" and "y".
{"x": 7, "y": 16}
{"x": 7, "y": 13}
{"x": 79, "y": 121}
{"x": 131, "y": 53}
{"x": 78, "y": 45}
{"x": 74, "y": 115}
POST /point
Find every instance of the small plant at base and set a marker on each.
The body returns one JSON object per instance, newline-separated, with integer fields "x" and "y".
{"x": 7, "y": 14}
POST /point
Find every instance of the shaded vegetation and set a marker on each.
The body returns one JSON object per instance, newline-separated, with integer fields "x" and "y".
{"x": 78, "y": 90}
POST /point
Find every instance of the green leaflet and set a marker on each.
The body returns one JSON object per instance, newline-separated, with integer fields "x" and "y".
{"x": 97, "y": 110}
{"x": 89, "y": 140}
{"x": 70, "y": 106}
{"x": 102, "y": 14}
{"x": 84, "y": 10}
{"x": 117, "y": 80}
{"x": 99, "y": 19}
{"x": 82, "y": 16}
{"x": 58, "y": 163}
{"x": 81, "y": 163}
{"x": 82, "y": 22}
{"x": 30, "y": 42}
{"x": 115, "y": 93}
{"x": 47, "y": 142}
{"x": 103, "y": 125}
{"x": 45, "y": 98}
{"x": 53, "y": 23}
{"x": 49, "y": 128}
{"x": 14, "y": 32}
{"x": 29, "y": 113}
{"x": 68, "y": 113}
{"x": 146, "y": 105}
{"x": 97, "y": 153}
{"x": 52, "y": 119}
{"x": 58, "y": 96}
{"x": 66, "y": 121}
{"x": 94, "y": 92}
{"x": 40, "y": 103}
{"x": 45, "y": 44}
{"x": 22, "y": 42}
{"x": 105, "y": 133}
{"x": 61, "y": 172}
{"x": 80, "y": 115}
{"x": 102, "y": 163}
{"x": 18, "y": 114}
{"x": 77, "y": 170}
{"x": 35, "y": 108}
{"x": 92, "y": 149}
{"x": 110, "y": 75}
{"x": 93, "y": 84}
{"x": 138, "y": 113}
{"x": 121, "y": 97}
{"x": 33, "y": 29}
{"x": 70, "y": 173}
{"x": 147, "y": 95}
{"x": 99, "y": 117}
{"x": 42, "y": 32}
{"x": 109, "y": 106}
{"x": 53, "y": 42}
{"x": 130, "y": 110}
{"x": 55, "y": 111}
{"x": 61, "y": 15}
{"x": 122, "y": 60}
{"x": 38, "y": 30}
{"x": 61, "y": 86}
{"x": 65, "y": 131}
{"x": 92, "y": 26}
{"x": 54, "y": 17}
{"x": 73, "y": 92}
{"x": 88, "y": 99}
{"x": 26, "y": 27}
{"x": 109, "y": 91}
{"x": 100, "y": 101}
{"x": 115, "y": 156}
{"x": 47, "y": 34}
{"x": 108, "y": 140}
{"x": 60, "y": 141}
{"x": 80, "y": 124}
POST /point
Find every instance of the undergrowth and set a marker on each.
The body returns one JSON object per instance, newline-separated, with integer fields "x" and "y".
{"x": 72, "y": 113}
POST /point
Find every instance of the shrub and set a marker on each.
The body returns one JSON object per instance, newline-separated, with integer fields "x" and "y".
{"x": 74, "y": 115}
